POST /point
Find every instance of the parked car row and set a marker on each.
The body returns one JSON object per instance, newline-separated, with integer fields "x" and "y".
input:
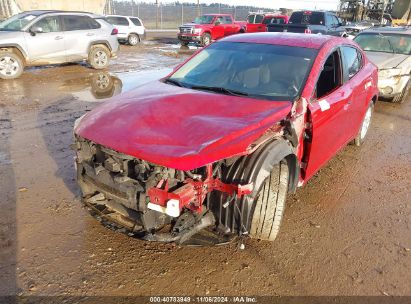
{"x": 36, "y": 38}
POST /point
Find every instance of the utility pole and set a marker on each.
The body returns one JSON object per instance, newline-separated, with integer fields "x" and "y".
{"x": 198, "y": 8}
{"x": 156, "y": 14}
{"x": 383, "y": 10}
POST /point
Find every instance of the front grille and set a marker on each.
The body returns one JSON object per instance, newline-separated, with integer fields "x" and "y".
{"x": 186, "y": 30}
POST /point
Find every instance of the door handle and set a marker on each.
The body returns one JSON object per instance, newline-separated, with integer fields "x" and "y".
{"x": 90, "y": 34}
{"x": 58, "y": 37}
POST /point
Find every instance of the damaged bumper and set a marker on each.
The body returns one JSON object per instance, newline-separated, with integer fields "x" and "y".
{"x": 147, "y": 199}
{"x": 392, "y": 86}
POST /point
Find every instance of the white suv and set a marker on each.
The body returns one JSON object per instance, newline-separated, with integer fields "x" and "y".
{"x": 36, "y": 38}
{"x": 130, "y": 29}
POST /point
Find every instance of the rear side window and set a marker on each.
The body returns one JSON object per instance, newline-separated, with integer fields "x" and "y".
{"x": 78, "y": 23}
{"x": 352, "y": 61}
{"x": 49, "y": 24}
{"x": 227, "y": 20}
{"x": 118, "y": 21}
{"x": 314, "y": 18}
{"x": 274, "y": 20}
{"x": 135, "y": 21}
{"x": 259, "y": 18}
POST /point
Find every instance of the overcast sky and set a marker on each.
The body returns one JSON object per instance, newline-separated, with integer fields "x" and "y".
{"x": 293, "y": 4}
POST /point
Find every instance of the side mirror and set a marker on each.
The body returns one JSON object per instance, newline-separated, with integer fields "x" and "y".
{"x": 217, "y": 23}
{"x": 343, "y": 23}
{"x": 36, "y": 30}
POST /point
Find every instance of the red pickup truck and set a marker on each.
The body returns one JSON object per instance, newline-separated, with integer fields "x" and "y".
{"x": 209, "y": 27}
{"x": 209, "y": 153}
{"x": 257, "y": 22}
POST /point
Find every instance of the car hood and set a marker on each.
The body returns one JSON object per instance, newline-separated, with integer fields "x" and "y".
{"x": 195, "y": 24}
{"x": 386, "y": 60}
{"x": 9, "y": 35}
{"x": 180, "y": 128}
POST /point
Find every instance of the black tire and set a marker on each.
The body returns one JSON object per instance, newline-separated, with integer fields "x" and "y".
{"x": 133, "y": 39}
{"x": 270, "y": 204}
{"x": 366, "y": 123}
{"x": 11, "y": 65}
{"x": 99, "y": 57}
{"x": 184, "y": 43}
{"x": 205, "y": 39}
{"x": 404, "y": 94}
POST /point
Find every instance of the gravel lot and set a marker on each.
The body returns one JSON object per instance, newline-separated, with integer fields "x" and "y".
{"x": 348, "y": 232}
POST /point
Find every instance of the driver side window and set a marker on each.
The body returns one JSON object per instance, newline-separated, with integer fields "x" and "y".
{"x": 331, "y": 77}
{"x": 49, "y": 24}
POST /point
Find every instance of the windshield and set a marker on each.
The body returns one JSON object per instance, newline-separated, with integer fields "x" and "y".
{"x": 264, "y": 71}
{"x": 386, "y": 43}
{"x": 17, "y": 22}
{"x": 204, "y": 19}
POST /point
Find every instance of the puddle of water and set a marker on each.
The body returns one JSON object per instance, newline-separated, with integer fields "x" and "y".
{"x": 132, "y": 80}
{"x": 103, "y": 85}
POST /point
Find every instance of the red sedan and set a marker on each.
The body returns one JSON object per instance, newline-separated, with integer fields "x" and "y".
{"x": 211, "y": 151}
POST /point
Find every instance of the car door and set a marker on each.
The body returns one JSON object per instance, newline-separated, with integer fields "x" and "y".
{"x": 337, "y": 29}
{"x": 229, "y": 26}
{"x": 330, "y": 109}
{"x": 359, "y": 81}
{"x": 218, "y": 28}
{"x": 80, "y": 31}
{"x": 45, "y": 41}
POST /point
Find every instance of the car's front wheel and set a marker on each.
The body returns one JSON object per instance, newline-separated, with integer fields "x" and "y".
{"x": 270, "y": 204}
{"x": 99, "y": 57}
{"x": 205, "y": 39}
{"x": 133, "y": 39}
{"x": 11, "y": 65}
{"x": 365, "y": 125}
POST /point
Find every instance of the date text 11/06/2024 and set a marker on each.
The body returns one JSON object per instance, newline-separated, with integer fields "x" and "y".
{"x": 206, "y": 299}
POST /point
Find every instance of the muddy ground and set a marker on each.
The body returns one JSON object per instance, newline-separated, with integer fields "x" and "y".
{"x": 348, "y": 232}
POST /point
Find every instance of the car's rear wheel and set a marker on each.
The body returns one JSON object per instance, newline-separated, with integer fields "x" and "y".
{"x": 270, "y": 204}
{"x": 133, "y": 39}
{"x": 11, "y": 65}
{"x": 365, "y": 125}
{"x": 205, "y": 39}
{"x": 404, "y": 94}
{"x": 99, "y": 57}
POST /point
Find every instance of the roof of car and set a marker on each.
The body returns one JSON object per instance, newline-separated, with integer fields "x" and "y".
{"x": 290, "y": 39}
{"x": 217, "y": 14}
{"x": 122, "y": 16}
{"x": 43, "y": 12}
{"x": 389, "y": 30}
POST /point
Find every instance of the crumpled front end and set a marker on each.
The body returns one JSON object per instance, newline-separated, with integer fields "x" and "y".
{"x": 391, "y": 82}
{"x": 152, "y": 202}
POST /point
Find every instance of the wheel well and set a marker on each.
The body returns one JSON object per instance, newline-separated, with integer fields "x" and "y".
{"x": 14, "y": 50}
{"x": 105, "y": 44}
{"x": 253, "y": 168}
{"x": 134, "y": 34}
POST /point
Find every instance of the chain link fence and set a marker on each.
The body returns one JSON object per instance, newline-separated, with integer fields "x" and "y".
{"x": 171, "y": 16}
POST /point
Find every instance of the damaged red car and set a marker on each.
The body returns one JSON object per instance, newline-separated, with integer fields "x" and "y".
{"x": 210, "y": 152}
